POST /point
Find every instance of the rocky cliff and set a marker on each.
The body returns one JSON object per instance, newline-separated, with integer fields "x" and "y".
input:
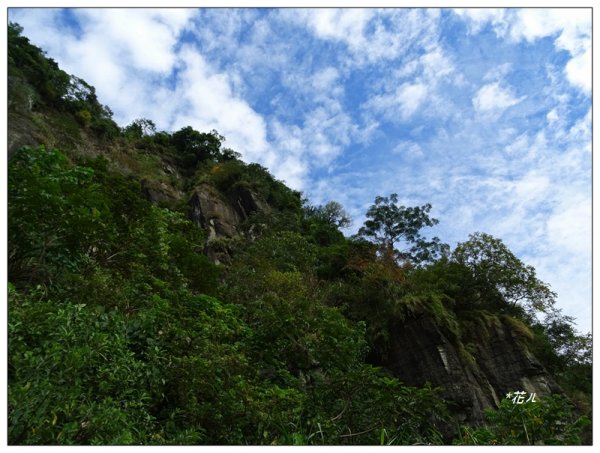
{"x": 498, "y": 364}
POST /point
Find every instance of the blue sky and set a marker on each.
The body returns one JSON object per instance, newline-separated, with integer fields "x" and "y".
{"x": 485, "y": 113}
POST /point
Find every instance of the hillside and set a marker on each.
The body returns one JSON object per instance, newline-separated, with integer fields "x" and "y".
{"x": 162, "y": 291}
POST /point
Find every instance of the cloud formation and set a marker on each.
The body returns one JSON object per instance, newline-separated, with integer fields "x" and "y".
{"x": 494, "y": 97}
{"x": 572, "y": 26}
{"x": 485, "y": 113}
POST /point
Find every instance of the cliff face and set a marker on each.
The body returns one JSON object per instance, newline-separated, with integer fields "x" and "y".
{"x": 221, "y": 216}
{"x": 421, "y": 353}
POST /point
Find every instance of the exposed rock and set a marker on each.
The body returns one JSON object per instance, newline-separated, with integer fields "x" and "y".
{"x": 168, "y": 169}
{"x": 510, "y": 366}
{"x": 420, "y": 353}
{"x": 210, "y": 210}
{"x": 22, "y": 131}
{"x": 21, "y": 95}
{"x": 246, "y": 201}
{"x": 160, "y": 193}
{"x": 221, "y": 216}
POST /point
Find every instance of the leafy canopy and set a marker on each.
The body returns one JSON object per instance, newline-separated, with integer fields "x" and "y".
{"x": 389, "y": 224}
{"x": 500, "y": 277}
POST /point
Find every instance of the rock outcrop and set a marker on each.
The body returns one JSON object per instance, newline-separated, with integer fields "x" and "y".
{"x": 222, "y": 215}
{"x": 212, "y": 211}
{"x": 160, "y": 193}
{"x": 420, "y": 352}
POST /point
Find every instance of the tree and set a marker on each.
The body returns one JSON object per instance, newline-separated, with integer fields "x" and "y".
{"x": 389, "y": 224}
{"x": 140, "y": 127}
{"x": 323, "y": 223}
{"x": 195, "y": 146}
{"x": 500, "y": 277}
{"x": 228, "y": 154}
{"x": 43, "y": 74}
{"x": 334, "y": 214}
{"x": 567, "y": 355}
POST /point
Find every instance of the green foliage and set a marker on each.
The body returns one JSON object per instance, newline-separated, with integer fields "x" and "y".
{"x": 43, "y": 73}
{"x": 121, "y": 330}
{"x": 322, "y": 224}
{"x": 518, "y": 328}
{"x": 549, "y": 421}
{"x": 232, "y": 174}
{"x": 114, "y": 340}
{"x": 274, "y": 192}
{"x": 63, "y": 203}
{"x": 140, "y": 128}
{"x": 499, "y": 278}
{"x": 387, "y": 223}
{"x": 84, "y": 117}
{"x": 195, "y": 147}
{"x": 331, "y": 213}
{"x": 224, "y": 176}
{"x": 73, "y": 379}
{"x": 364, "y": 406}
{"x": 86, "y": 217}
{"x": 567, "y": 355}
{"x": 38, "y": 81}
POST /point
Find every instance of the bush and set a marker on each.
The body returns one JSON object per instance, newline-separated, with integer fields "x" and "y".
{"x": 84, "y": 118}
{"x": 73, "y": 378}
{"x": 549, "y": 421}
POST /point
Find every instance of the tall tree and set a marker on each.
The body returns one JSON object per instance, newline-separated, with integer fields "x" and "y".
{"x": 501, "y": 277}
{"x": 389, "y": 224}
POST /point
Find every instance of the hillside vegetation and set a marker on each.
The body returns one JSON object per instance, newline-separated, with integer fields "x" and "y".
{"x": 123, "y": 329}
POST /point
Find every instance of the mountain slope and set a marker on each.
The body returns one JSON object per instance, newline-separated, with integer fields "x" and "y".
{"x": 162, "y": 291}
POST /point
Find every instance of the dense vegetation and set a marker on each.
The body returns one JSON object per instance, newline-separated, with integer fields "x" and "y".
{"x": 122, "y": 331}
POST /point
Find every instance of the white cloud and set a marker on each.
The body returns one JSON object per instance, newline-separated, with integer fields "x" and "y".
{"x": 401, "y": 104}
{"x": 286, "y": 103}
{"x": 581, "y": 131}
{"x": 572, "y": 26}
{"x": 408, "y": 149}
{"x": 289, "y": 165}
{"x": 436, "y": 65}
{"x": 340, "y": 24}
{"x": 323, "y": 134}
{"x": 371, "y": 35}
{"x": 478, "y": 18}
{"x": 204, "y": 100}
{"x": 531, "y": 188}
{"x": 579, "y": 70}
{"x": 144, "y": 39}
{"x": 552, "y": 116}
{"x": 324, "y": 80}
{"x": 569, "y": 227}
{"x": 497, "y": 73}
{"x": 410, "y": 97}
{"x": 121, "y": 52}
{"x": 493, "y": 97}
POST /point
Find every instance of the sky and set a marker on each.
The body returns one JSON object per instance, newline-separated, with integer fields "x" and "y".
{"x": 484, "y": 113}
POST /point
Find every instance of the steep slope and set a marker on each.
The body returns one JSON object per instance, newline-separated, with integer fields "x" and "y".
{"x": 162, "y": 291}
{"x": 500, "y": 364}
